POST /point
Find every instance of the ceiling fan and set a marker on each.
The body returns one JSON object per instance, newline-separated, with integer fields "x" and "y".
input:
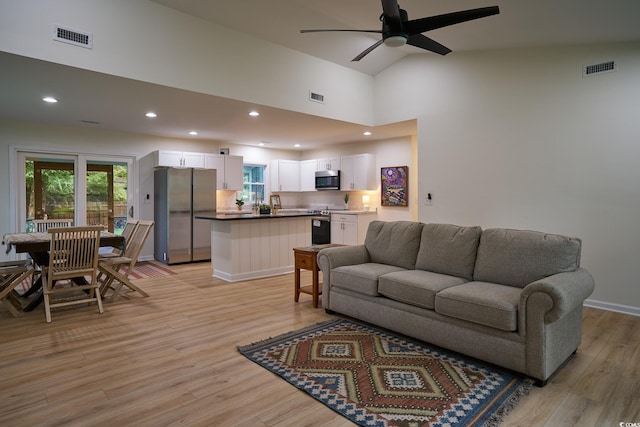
{"x": 398, "y": 30}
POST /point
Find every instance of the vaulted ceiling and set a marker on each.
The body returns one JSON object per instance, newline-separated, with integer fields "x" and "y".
{"x": 103, "y": 101}
{"x": 520, "y": 23}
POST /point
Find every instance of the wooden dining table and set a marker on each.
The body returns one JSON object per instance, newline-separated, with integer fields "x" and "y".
{"x": 37, "y": 246}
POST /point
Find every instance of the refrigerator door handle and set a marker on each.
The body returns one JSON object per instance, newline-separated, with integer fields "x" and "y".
{"x": 131, "y": 211}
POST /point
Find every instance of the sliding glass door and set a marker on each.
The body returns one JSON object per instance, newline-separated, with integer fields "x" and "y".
{"x": 89, "y": 189}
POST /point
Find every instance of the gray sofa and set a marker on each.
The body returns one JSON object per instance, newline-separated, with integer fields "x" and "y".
{"x": 512, "y": 298}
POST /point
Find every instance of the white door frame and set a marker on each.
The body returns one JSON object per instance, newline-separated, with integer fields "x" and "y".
{"x": 17, "y": 187}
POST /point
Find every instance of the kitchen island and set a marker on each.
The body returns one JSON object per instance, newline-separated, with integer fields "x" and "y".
{"x": 246, "y": 246}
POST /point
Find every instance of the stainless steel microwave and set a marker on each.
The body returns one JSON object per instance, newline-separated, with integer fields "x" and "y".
{"x": 327, "y": 180}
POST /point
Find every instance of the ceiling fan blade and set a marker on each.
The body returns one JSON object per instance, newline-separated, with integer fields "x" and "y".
{"x": 417, "y": 26}
{"x": 367, "y": 51}
{"x": 391, "y": 13}
{"x": 343, "y": 30}
{"x": 424, "y": 42}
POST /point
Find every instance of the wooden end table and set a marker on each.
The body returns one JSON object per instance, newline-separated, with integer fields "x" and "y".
{"x": 306, "y": 258}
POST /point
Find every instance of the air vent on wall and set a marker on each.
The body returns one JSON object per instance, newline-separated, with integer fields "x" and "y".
{"x": 603, "y": 67}
{"x": 72, "y": 36}
{"x": 316, "y": 97}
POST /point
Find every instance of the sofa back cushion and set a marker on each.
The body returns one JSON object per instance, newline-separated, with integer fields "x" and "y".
{"x": 519, "y": 257}
{"x": 393, "y": 243}
{"x": 448, "y": 249}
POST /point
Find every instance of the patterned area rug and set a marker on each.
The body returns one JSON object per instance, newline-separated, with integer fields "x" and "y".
{"x": 375, "y": 378}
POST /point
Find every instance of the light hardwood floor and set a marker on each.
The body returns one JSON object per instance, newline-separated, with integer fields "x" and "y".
{"x": 171, "y": 359}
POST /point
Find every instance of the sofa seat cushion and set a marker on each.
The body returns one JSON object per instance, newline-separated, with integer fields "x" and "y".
{"x": 416, "y": 287}
{"x": 448, "y": 249}
{"x": 485, "y": 303}
{"x": 362, "y": 278}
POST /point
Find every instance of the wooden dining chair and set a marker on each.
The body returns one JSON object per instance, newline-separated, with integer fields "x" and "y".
{"x": 73, "y": 254}
{"x": 116, "y": 270}
{"x": 127, "y": 231}
{"x": 42, "y": 225}
{"x": 13, "y": 273}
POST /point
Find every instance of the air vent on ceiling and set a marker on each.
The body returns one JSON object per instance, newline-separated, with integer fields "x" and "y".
{"x": 603, "y": 67}
{"x": 72, "y": 36}
{"x": 316, "y": 97}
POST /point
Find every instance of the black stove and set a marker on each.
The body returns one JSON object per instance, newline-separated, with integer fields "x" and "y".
{"x": 320, "y": 228}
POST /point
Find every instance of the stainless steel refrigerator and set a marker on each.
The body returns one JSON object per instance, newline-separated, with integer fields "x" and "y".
{"x": 180, "y": 195}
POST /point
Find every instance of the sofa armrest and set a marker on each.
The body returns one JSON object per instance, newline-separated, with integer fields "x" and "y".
{"x": 550, "y": 319}
{"x": 566, "y": 291}
{"x": 330, "y": 258}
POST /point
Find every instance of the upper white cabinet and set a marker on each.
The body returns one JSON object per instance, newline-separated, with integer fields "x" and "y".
{"x": 330, "y": 164}
{"x": 234, "y": 172}
{"x": 285, "y": 175}
{"x": 179, "y": 159}
{"x": 228, "y": 170}
{"x": 308, "y": 175}
{"x": 358, "y": 172}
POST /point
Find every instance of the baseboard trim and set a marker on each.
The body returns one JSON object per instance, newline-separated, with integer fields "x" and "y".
{"x": 258, "y": 274}
{"x": 609, "y": 306}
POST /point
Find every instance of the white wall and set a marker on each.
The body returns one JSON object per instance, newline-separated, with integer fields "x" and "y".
{"x": 518, "y": 138}
{"x": 145, "y": 41}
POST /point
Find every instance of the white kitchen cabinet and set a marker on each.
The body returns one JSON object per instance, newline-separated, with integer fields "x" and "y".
{"x": 178, "y": 159}
{"x": 234, "y": 172}
{"x": 358, "y": 172}
{"x": 285, "y": 175}
{"x": 228, "y": 170}
{"x": 330, "y": 164}
{"x": 350, "y": 229}
{"x": 308, "y": 175}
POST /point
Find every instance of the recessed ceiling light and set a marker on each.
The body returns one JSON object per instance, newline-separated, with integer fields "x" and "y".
{"x": 261, "y": 144}
{"x": 151, "y": 115}
{"x": 50, "y": 99}
{"x": 193, "y": 133}
{"x": 366, "y": 133}
{"x": 254, "y": 114}
{"x": 296, "y": 145}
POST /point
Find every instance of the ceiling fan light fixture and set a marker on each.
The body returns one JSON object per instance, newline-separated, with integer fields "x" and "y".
{"x": 395, "y": 41}
{"x": 398, "y": 30}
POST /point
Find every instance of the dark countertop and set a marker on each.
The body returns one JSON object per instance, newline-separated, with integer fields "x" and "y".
{"x": 245, "y": 215}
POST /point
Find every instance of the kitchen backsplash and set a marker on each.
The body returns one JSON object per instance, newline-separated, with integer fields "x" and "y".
{"x": 318, "y": 200}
